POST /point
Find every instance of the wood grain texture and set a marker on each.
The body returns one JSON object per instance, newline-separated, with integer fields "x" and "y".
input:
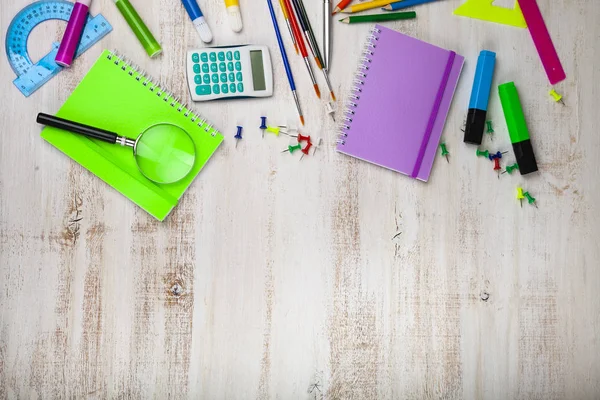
{"x": 322, "y": 279}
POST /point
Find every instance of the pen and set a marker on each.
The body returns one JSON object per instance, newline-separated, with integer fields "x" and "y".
{"x": 193, "y": 10}
{"x": 139, "y": 28}
{"x": 326, "y": 32}
{"x": 286, "y": 62}
{"x": 72, "y": 36}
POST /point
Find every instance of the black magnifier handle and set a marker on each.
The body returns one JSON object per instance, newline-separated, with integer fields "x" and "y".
{"x": 75, "y": 127}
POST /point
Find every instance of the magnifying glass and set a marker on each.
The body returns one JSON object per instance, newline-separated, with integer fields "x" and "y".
{"x": 164, "y": 153}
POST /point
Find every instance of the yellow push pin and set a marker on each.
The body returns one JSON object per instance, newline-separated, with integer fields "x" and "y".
{"x": 557, "y": 97}
{"x": 520, "y": 195}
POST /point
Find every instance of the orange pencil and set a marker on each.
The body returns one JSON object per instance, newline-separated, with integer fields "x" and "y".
{"x": 301, "y": 45}
{"x": 341, "y": 5}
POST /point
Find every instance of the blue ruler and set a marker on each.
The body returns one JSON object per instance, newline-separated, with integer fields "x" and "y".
{"x": 30, "y": 76}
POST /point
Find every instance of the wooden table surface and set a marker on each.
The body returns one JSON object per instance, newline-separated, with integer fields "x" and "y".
{"x": 328, "y": 278}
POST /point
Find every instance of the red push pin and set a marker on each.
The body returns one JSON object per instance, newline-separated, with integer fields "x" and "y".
{"x": 497, "y": 166}
{"x": 302, "y": 138}
{"x": 306, "y": 150}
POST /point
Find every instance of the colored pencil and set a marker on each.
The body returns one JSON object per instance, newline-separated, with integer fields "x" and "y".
{"x": 398, "y": 5}
{"x": 379, "y": 17}
{"x": 286, "y": 62}
{"x": 341, "y": 5}
{"x": 287, "y": 22}
{"x": 369, "y": 5}
{"x": 312, "y": 41}
{"x": 301, "y": 45}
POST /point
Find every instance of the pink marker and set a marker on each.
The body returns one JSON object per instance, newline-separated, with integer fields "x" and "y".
{"x": 70, "y": 41}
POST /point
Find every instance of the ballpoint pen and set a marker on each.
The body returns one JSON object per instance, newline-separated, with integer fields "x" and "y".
{"x": 193, "y": 10}
{"x": 286, "y": 62}
{"x": 301, "y": 45}
{"x": 287, "y": 22}
{"x": 310, "y": 38}
{"x": 326, "y": 33}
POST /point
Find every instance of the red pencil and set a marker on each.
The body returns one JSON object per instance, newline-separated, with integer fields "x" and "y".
{"x": 341, "y": 5}
{"x": 301, "y": 45}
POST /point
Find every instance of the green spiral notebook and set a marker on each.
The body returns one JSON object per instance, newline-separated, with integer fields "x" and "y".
{"x": 117, "y": 97}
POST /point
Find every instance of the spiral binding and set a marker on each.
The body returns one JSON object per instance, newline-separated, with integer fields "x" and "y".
{"x": 359, "y": 80}
{"x": 157, "y": 88}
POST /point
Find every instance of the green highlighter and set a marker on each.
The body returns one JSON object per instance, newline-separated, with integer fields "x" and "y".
{"x": 138, "y": 27}
{"x": 517, "y": 128}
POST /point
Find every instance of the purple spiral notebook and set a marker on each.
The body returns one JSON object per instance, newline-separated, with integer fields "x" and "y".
{"x": 397, "y": 110}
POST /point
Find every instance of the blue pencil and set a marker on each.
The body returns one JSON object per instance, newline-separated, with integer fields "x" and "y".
{"x": 286, "y": 62}
{"x": 403, "y": 4}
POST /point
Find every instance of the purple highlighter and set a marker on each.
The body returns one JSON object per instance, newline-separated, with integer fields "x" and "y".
{"x": 70, "y": 41}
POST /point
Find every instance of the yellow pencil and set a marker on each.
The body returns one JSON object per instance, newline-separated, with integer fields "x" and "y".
{"x": 366, "y": 6}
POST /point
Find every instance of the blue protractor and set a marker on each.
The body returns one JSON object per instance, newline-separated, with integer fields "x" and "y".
{"x": 30, "y": 76}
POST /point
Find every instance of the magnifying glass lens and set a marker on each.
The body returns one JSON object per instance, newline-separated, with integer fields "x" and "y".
{"x": 165, "y": 153}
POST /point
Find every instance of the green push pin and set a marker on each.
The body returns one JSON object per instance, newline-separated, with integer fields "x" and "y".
{"x": 490, "y": 129}
{"x": 292, "y": 149}
{"x": 445, "y": 151}
{"x": 485, "y": 153}
{"x": 530, "y": 199}
{"x": 511, "y": 168}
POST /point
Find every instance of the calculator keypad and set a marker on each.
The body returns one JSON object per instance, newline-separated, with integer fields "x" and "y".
{"x": 218, "y": 72}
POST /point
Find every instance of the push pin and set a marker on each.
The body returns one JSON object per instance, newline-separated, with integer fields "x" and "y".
{"x": 520, "y": 196}
{"x": 330, "y": 110}
{"x": 292, "y": 149}
{"x": 238, "y": 135}
{"x": 302, "y": 138}
{"x": 276, "y": 130}
{"x": 557, "y": 97}
{"x": 497, "y": 155}
{"x": 306, "y": 150}
{"x": 484, "y": 153}
{"x": 263, "y": 125}
{"x": 445, "y": 151}
{"x": 530, "y": 199}
{"x": 511, "y": 168}
{"x": 497, "y": 166}
{"x": 490, "y": 129}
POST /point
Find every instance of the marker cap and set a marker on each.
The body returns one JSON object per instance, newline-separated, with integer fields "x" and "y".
{"x": 138, "y": 27}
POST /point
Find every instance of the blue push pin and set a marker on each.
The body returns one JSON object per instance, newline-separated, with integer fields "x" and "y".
{"x": 238, "y": 135}
{"x": 263, "y": 125}
{"x": 498, "y": 155}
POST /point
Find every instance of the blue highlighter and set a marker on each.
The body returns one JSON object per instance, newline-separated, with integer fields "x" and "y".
{"x": 480, "y": 96}
{"x": 193, "y": 10}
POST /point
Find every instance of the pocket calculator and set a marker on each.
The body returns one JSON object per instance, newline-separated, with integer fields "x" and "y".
{"x": 229, "y": 72}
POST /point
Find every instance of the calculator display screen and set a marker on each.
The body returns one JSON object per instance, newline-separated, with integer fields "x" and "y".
{"x": 258, "y": 70}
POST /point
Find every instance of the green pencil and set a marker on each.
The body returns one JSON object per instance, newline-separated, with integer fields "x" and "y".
{"x": 379, "y": 17}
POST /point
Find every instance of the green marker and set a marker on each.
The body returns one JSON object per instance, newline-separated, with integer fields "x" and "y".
{"x": 138, "y": 27}
{"x": 517, "y": 128}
